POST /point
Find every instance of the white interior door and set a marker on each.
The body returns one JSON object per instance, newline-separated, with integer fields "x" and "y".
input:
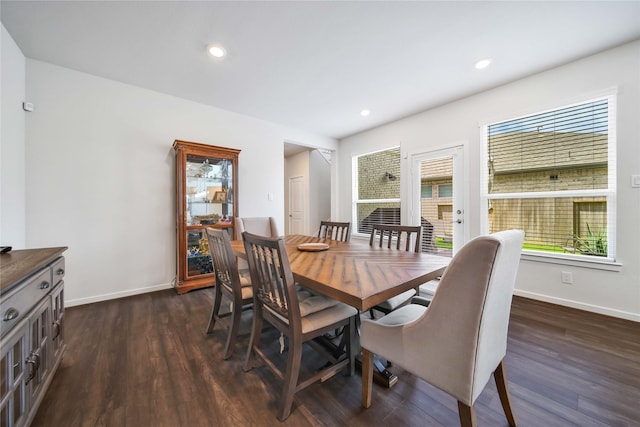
{"x": 438, "y": 199}
{"x": 297, "y": 196}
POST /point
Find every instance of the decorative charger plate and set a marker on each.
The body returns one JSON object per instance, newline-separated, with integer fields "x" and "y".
{"x": 313, "y": 247}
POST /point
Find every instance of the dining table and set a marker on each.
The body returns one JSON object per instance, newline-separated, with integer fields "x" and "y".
{"x": 356, "y": 274}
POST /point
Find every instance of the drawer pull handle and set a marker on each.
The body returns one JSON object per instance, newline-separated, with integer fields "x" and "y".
{"x": 33, "y": 361}
{"x": 44, "y": 285}
{"x": 10, "y": 314}
{"x": 60, "y": 271}
{"x": 56, "y": 330}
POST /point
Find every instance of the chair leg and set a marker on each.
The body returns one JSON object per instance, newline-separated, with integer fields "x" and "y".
{"x": 367, "y": 377}
{"x": 233, "y": 329}
{"x": 467, "y": 415}
{"x": 501, "y": 383}
{"x": 256, "y": 332}
{"x": 290, "y": 379}
{"x": 216, "y": 308}
{"x": 351, "y": 338}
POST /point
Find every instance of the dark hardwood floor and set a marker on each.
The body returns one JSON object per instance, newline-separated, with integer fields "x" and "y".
{"x": 146, "y": 361}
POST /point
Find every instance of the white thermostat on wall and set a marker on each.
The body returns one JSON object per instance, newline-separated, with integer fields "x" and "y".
{"x": 27, "y": 106}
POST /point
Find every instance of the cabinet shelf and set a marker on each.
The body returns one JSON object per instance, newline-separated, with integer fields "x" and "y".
{"x": 211, "y": 203}
{"x": 216, "y": 225}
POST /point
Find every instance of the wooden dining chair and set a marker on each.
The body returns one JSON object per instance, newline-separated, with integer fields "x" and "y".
{"x": 333, "y": 230}
{"x": 228, "y": 282}
{"x": 461, "y": 338}
{"x": 401, "y": 237}
{"x": 297, "y": 314}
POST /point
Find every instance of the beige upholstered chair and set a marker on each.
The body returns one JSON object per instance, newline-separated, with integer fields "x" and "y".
{"x": 298, "y": 315}
{"x": 401, "y": 237}
{"x": 228, "y": 282}
{"x": 333, "y": 230}
{"x": 262, "y": 226}
{"x": 461, "y": 338}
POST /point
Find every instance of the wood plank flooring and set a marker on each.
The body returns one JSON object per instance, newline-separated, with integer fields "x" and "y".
{"x": 146, "y": 361}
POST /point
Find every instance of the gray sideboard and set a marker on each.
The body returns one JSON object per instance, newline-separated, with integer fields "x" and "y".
{"x": 31, "y": 329}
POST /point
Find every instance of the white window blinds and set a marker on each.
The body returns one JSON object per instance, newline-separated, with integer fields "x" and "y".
{"x": 552, "y": 174}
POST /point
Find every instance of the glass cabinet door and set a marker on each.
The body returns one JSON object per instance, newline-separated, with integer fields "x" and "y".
{"x": 209, "y": 191}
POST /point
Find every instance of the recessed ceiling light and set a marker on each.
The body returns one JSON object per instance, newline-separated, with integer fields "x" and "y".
{"x": 484, "y": 63}
{"x": 216, "y": 51}
{"x": 365, "y": 113}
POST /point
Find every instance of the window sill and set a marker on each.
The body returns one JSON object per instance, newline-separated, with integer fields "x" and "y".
{"x": 595, "y": 263}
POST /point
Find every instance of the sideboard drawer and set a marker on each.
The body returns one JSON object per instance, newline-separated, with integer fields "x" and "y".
{"x": 57, "y": 269}
{"x": 17, "y": 304}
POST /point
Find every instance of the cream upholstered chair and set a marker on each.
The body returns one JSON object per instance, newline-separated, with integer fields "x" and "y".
{"x": 461, "y": 338}
{"x": 297, "y": 314}
{"x": 333, "y": 230}
{"x": 406, "y": 238}
{"x": 262, "y": 226}
{"x": 228, "y": 282}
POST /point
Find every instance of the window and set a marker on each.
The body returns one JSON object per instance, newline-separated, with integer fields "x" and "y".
{"x": 376, "y": 191}
{"x": 445, "y": 190}
{"x": 426, "y": 191}
{"x": 552, "y": 174}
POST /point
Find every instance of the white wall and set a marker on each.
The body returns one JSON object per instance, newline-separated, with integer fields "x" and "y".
{"x": 12, "y": 144}
{"x": 319, "y": 190}
{"x": 615, "y": 293}
{"x": 100, "y": 175}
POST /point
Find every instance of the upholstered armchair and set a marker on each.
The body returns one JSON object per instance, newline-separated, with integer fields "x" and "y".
{"x": 262, "y": 226}
{"x": 461, "y": 338}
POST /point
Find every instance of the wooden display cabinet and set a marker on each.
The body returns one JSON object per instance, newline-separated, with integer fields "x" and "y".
{"x": 206, "y": 196}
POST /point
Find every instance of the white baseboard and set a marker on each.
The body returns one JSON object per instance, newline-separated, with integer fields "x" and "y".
{"x": 581, "y": 306}
{"x": 115, "y": 295}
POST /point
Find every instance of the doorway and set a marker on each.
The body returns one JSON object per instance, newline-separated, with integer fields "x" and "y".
{"x": 438, "y": 199}
{"x": 297, "y": 197}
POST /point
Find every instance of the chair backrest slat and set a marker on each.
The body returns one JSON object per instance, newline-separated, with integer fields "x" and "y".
{"x": 225, "y": 269}
{"x": 333, "y": 230}
{"x": 271, "y": 276}
{"x": 401, "y": 233}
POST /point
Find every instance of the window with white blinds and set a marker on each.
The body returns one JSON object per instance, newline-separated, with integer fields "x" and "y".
{"x": 376, "y": 189}
{"x": 552, "y": 175}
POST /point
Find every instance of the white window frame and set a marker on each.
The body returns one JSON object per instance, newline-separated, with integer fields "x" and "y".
{"x": 608, "y": 262}
{"x": 354, "y": 191}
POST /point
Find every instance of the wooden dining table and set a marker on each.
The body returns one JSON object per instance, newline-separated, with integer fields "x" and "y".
{"x": 357, "y": 274}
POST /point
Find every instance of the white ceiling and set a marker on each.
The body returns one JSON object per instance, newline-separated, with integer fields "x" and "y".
{"x": 315, "y": 65}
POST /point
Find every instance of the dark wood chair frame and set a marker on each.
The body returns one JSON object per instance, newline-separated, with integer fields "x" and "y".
{"x": 403, "y": 234}
{"x": 276, "y": 301}
{"x": 391, "y": 231}
{"x": 228, "y": 283}
{"x": 333, "y": 230}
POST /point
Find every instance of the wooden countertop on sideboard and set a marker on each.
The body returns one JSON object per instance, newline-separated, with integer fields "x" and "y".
{"x": 19, "y": 264}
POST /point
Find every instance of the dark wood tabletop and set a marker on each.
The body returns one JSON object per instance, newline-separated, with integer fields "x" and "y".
{"x": 357, "y": 274}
